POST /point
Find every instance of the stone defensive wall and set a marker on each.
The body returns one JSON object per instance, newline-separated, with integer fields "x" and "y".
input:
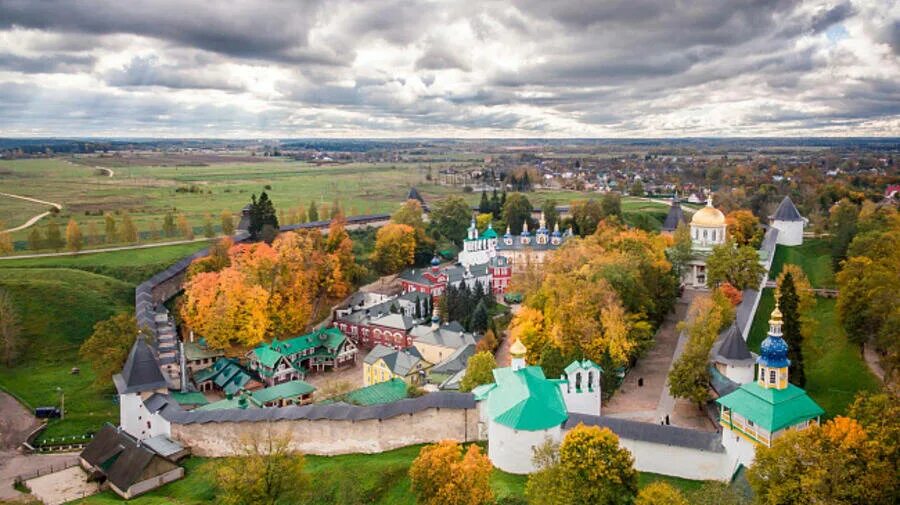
{"x": 328, "y": 429}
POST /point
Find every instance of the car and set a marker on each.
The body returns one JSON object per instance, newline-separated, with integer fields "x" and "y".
{"x": 47, "y": 412}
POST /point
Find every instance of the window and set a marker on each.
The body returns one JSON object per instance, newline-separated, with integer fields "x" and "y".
{"x": 771, "y": 376}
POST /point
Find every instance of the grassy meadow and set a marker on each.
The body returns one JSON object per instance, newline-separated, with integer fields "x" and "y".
{"x": 835, "y": 370}
{"x": 59, "y": 301}
{"x": 381, "y": 478}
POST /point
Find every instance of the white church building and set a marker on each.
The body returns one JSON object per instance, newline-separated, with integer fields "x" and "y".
{"x": 522, "y": 408}
{"x": 708, "y": 229}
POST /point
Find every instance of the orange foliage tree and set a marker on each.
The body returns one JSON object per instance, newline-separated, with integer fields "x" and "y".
{"x": 443, "y": 475}
{"x": 257, "y": 291}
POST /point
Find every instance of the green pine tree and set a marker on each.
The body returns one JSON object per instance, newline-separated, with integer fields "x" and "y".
{"x": 313, "y": 213}
{"x": 484, "y": 206}
{"x": 480, "y": 318}
{"x": 789, "y": 304}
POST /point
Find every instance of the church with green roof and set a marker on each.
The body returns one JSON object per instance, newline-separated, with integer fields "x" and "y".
{"x": 758, "y": 412}
{"x": 522, "y": 408}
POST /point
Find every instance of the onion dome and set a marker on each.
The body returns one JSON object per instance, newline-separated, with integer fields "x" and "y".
{"x": 508, "y": 234}
{"x": 773, "y": 351}
{"x": 708, "y": 216}
{"x": 556, "y": 232}
{"x": 435, "y": 261}
{"x": 518, "y": 349}
{"x": 525, "y": 229}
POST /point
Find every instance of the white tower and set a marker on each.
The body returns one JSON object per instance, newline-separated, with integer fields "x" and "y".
{"x": 581, "y": 390}
{"x": 789, "y": 223}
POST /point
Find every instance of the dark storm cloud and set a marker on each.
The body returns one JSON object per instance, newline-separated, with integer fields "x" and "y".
{"x": 46, "y": 64}
{"x": 146, "y": 71}
{"x": 403, "y": 66}
{"x": 265, "y": 30}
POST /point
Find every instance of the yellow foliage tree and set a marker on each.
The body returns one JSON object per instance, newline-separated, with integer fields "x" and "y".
{"x": 743, "y": 227}
{"x": 443, "y": 475}
{"x": 6, "y": 244}
{"x": 186, "y": 230}
{"x": 227, "y": 311}
{"x": 660, "y": 493}
{"x": 395, "y": 247}
{"x": 74, "y": 240}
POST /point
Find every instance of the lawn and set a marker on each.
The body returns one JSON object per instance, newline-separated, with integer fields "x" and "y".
{"x": 835, "y": 370}
{"x": 383, "y": 476}
{"x": 814, "y": 256}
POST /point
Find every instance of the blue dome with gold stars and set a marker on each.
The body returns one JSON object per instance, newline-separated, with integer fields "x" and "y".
{"x": 773, "y": 351}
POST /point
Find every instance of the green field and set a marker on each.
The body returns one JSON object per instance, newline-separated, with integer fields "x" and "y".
{"x": 15, "y": 211}
{"x": 383, "y": 474}
{"x": 147, "y": 193}
{"x": 814, "y": 256}
{"x": 835, "y": 370}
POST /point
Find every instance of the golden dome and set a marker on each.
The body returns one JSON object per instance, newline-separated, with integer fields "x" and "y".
{"x": 518, "y": 349}
{"x": 776, "y": 315}
{"x": 708, "y": 216}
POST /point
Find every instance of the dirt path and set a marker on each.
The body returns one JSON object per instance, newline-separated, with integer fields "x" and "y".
{"x": 109, "y": 172}
{"x": 872, "y": 361}
{"x": 34, "y": 219}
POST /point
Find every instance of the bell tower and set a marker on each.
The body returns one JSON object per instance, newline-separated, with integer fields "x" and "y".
{"x": 773, "y": 361}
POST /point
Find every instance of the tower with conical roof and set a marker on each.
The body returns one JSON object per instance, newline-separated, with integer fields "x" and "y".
{"x": 759, "y": 412}
{"x": 789, "y": 223}
{"x": 674, "y": 217}
{"x": 140, "y": 379}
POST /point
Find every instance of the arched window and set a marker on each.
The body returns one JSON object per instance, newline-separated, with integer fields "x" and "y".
{"x": 771, "y": 376}
{"x": 590, "y": 383}
{"x": 705, "y": 234}
{"x": 578, "y": 381}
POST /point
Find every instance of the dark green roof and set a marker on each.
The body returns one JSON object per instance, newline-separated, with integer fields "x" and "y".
{"x": 525, "y": 400}
{"x": 383, "y": 392}
{"x": 189, "y": 398}
{"x": 770, "y": 408}
{"x": 235, "y": 402}
{"x": 290, "y": 389}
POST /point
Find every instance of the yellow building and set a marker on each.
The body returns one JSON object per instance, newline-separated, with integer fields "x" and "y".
{"x": 385, "y": 363}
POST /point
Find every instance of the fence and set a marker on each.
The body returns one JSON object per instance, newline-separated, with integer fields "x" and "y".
{"x": 58, "y": 444}
{"x": 20, "y": 480}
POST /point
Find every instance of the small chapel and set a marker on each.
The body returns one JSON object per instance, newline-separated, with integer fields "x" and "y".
{"x": 758, "y": 412}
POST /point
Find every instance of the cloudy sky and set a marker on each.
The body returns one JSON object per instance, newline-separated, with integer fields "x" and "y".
{"x": 465, "y": 68}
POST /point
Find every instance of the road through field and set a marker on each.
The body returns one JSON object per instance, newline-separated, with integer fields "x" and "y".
{"x": 35, "y": 218}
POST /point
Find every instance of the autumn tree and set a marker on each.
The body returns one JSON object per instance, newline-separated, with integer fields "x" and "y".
{"x": 266, "y": 471}
{"x": 586, "y": 215}
{"x": 744, "y": 228}
{"x": 837, "y": 462}
{"x": 6, "y": 244}
{"x": 611, "y": 204}
{"x": 660, "y": 493}
{"x": 443, "y": 475}
{"x": 482, "y": 221}
{"x": 689, "y": 375}
{"x": 53, "y": 237}
{"x": 109, "y": 228}
{"x": 169, "y": 227}
{"x": 226, "y": 310}
{"x": 488, "y": 342}
{"x": 129, "y": 232}
{"x": 450, "y": 218}
{"x": 479, "y": 370}
{"x": 411, "y": 214}
{"x": 35, "y": 239}
{"x": 842, "y": 224}
{"x": 209, "y": 230}
{"x": 74, "y": 240}
{"x": 108, "y": 347}
{"x": 395, "y": 247}
{"x": 10, "y": 329}
{"x": 789, "y": 304}
{"x": 805, "y": 295}
{"x": 591, "y": 468}
{"x": 185, "y": 228}
{"x": 227, "y": 223}
{"x": 313, "y": 212}
{"x": 681, "y": 251}
{"x": 217, "y": 259}
{"x": 736, "y": 265}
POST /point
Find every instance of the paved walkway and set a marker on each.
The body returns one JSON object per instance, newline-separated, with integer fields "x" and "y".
{"x": 652, "y": 402}
{"x": 33, "y": 219}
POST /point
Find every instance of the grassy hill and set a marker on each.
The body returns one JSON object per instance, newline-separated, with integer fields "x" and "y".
{"x": 378, "y": 478}
{"x": 59, "y": 308}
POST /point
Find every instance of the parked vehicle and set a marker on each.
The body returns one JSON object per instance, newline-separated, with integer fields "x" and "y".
{"x": 47, "y": 412}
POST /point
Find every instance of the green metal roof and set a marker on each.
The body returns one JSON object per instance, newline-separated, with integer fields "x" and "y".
{"x": 290, "y": 389}
{"x": 772, "y": 409}
{"x": 235, "y": 402}
{"x": 582, "y": 365}
{"x": 383, "y": 392}
{"x": 267, "y": 355}
{"x": 525, "y": 400}
{"x": 331, "y": 338}
{"x": 489, "y": 233}
{"x": 190, "y": 398}
{"x": 194, "y": 351}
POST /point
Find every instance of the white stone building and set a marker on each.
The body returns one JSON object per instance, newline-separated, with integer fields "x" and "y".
{"x": 708, "y": 229}
{"x": 789, "y": 223}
